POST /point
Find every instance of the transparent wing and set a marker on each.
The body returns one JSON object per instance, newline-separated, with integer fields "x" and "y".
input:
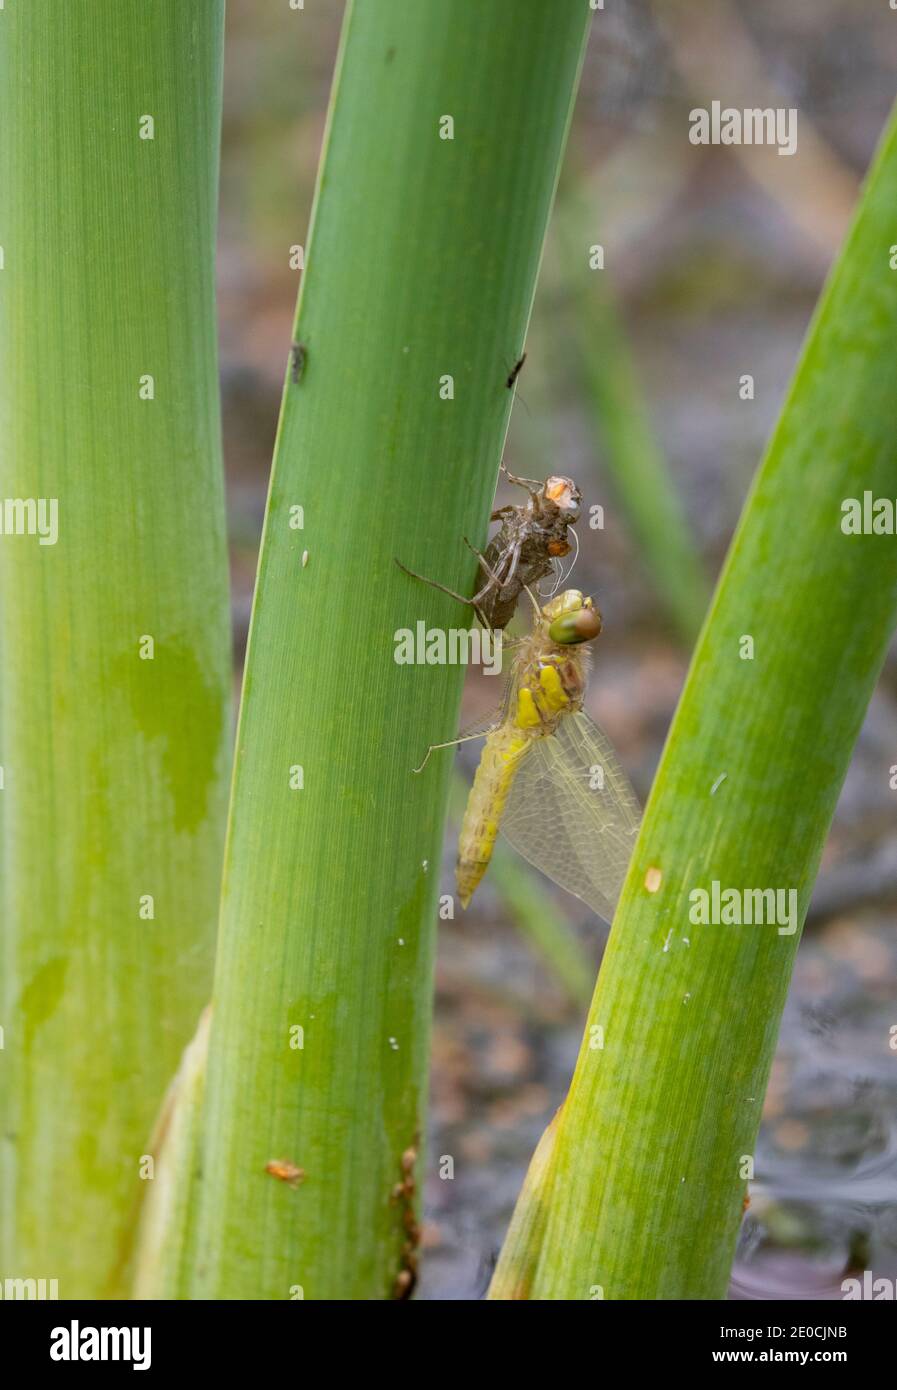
{"x": 476, "y": 728}
{"x": 496, "y": 715}
{"x": 572, "y": 813}
{"x": 486, "y": 722}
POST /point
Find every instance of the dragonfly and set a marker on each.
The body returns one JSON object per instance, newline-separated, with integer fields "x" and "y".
{"x": 548, "y": 777}
{"x": 530, "y": 540}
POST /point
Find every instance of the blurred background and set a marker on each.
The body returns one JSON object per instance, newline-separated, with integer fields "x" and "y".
{"x": 713, "y": 260}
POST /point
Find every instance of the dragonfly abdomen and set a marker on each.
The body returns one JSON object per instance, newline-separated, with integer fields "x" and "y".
{"x": 495, "y": 774}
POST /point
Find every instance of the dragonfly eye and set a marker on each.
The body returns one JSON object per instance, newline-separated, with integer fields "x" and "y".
{"x": 565, "y": 495}
{"x": 580, "y": 625}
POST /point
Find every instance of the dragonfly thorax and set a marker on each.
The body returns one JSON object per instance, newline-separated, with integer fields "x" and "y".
{"x": 551, "y": 688}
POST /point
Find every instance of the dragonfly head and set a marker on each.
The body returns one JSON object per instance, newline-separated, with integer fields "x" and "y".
{"x": 565, "y": 495}
{"x": 571, "y": 618}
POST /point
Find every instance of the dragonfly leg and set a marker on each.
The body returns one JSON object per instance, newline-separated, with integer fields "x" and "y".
{"x": 493, "y": 581}
{"x": 473, "y": 603}
{"x": 450, "y": 743}
{"x": 528, "y": 483}
{"x": 434, "y": 584}
{"x": 515, "y": 560}
{"x": 486, "y": 589}
{"x": 533, "y": 600}
{"x": 495, "y": 578}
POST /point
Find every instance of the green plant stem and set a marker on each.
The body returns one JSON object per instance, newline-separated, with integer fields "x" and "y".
{"x": 421, "y": 265}
{"x": 114, "y": 765}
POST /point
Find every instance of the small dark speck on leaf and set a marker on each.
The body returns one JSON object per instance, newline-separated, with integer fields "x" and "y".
{"x": 515, "y": 371}
{"x": 298, "y": 357}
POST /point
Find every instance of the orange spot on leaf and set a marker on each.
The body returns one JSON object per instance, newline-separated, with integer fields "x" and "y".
{"x": 653, "y": 879}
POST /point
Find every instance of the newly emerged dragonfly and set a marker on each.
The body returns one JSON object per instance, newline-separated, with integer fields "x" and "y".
{"x": 548, "y": 777}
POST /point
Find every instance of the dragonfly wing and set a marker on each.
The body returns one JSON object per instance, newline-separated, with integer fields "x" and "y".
{"x": 496, "y": 716}
{"x": 479, "y": 728}
{"x": 572, "y": 813}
